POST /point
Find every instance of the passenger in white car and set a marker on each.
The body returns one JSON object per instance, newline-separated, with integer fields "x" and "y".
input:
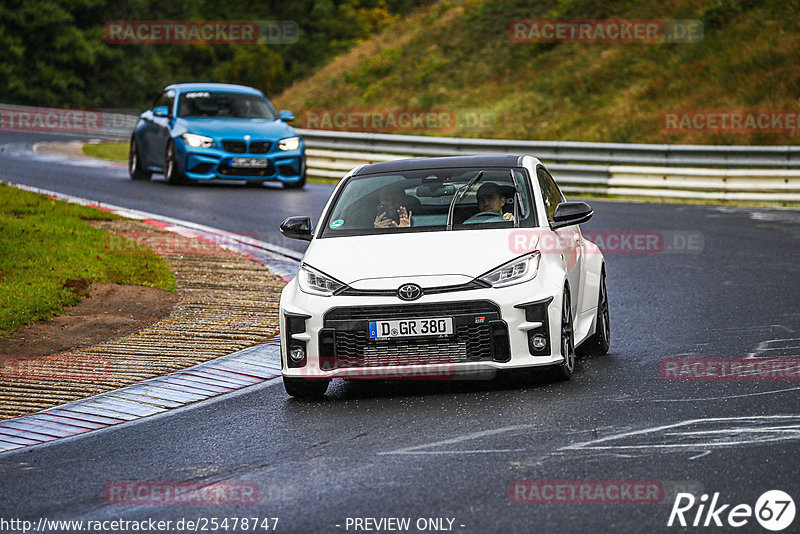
{"x": 396, "y": 209}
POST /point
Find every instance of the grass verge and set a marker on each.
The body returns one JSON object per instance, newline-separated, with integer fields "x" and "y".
{"x": 114, "y": 151}
{"x": 45, "y": 242}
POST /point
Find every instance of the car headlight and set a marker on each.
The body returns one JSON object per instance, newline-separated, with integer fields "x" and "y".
{"x": 516, "y": 271}
{"x": 314, "y": 282}
{"x": 290, "y": 143}
{"x": 198, "y": 141}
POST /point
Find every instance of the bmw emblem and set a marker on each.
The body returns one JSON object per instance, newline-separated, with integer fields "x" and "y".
{"x": 409, "y": 292}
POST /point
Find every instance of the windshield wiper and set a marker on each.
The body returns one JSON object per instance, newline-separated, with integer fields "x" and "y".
{"x": 517, "y": 198}
{"x": 458, "y": 196}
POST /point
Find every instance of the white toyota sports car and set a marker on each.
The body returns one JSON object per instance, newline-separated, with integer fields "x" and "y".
{"x": 442, "y": 267}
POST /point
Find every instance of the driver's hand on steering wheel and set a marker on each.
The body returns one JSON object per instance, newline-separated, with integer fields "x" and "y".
{"x": 508, "y": 216}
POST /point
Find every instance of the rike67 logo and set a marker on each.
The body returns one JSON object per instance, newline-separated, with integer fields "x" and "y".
{"x": 774, "y": 510}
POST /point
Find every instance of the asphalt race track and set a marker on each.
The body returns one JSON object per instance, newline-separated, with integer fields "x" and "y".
{"x": 453, "y": 449}
{"x": 230, "y": 206}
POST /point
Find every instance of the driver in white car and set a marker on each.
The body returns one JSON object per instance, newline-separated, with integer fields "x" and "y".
{"x": 490, "y": 198}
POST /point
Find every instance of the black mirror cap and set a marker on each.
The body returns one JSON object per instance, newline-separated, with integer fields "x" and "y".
{"x": 297, "y": 228}
{"x": 569, "y": 213}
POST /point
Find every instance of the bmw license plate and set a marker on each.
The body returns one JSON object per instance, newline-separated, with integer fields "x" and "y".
{"x": 433, "y": 327}
{"x": 250, "y": 163}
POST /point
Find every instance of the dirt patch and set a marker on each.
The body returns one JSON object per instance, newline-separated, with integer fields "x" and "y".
{"x": 109, "y": 311}
{"x": 73, "y": 149}
{"x": 225, "y": 302}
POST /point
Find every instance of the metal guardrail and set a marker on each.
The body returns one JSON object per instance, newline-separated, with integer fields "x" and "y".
{"x": 735, "y": 173}
{"x": 754, "y": 185}
{"x": 749, "y": 173}
{"x": 739, "y": 156}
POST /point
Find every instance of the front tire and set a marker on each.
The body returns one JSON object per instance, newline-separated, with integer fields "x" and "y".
{"x": 303, "y": 388}
{"x": 295, "y": 185}
{"x": 135, "y": 169}
{"x": 565, "y": 370}
{"x": 172, "y": 172}
{"x": 299, "y": 184}
{"x": 599, "y": 342}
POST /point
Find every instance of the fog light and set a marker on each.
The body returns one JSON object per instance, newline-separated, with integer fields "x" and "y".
{"x": 297, "y": 354}
{"x": 538, "y": 342}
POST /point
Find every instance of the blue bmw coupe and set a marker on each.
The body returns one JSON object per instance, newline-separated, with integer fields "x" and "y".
{"x": 197, "y": 132}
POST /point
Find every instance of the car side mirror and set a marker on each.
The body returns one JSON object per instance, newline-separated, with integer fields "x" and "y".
{"x": 297, "y": 228}
{"x": 287, "y": 116}
{"x": 161, "y": 111}
{"x": 569, "y": 213}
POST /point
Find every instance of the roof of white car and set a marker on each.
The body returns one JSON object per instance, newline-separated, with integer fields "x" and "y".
{"x": 440, "y": 163}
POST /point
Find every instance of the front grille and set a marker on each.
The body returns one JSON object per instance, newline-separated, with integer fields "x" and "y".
{"x": 237, "y": 147}
{"x": 471, "y": 342}
{"x": 260, "y": 147}
{"x": 240, "y": 147}
{"x": 474, "y": 284}
{"x": 405, "y": 311}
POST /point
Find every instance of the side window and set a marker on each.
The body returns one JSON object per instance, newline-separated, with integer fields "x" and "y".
{"x": 555, "y": 189}
{"x": 167, "y": 98}
{"x": 550, "y": 193}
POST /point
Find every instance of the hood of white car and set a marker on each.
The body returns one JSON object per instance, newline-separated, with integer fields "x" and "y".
{"x": 427, "y": 258}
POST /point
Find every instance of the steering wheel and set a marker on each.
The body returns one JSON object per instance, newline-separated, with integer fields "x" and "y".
{"x": 484, "y": 217}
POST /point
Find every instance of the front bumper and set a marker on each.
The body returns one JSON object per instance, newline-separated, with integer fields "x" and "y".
{"x": 216, "y": 164}
{"x": 494, "y": 328}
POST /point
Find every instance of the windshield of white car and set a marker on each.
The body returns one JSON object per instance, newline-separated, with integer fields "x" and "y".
{"x": 420, "y": 201}
{"x": 224, "y": 105}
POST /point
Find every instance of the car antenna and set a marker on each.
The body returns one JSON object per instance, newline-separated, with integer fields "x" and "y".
{"x": 458, "y": 196}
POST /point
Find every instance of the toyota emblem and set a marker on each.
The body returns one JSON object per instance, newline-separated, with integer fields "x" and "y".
{"x": 409, "y": 292}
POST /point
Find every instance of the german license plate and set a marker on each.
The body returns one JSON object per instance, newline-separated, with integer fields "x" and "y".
{"x": 433, "y": 327}
{"x": 250, "y": 163}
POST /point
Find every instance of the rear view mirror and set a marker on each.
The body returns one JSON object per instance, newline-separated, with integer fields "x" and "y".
{"x": 287, "y": 116}
{"x": 297, "y": 228}
{"x": 569, "y": 213}
{"x": 435, "y": 190}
